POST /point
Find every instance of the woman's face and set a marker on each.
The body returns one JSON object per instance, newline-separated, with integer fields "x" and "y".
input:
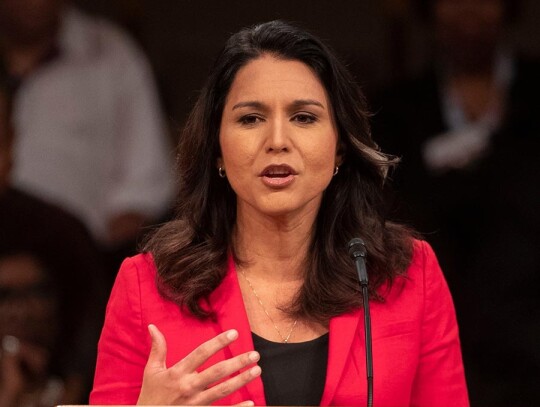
{"x": 278, "y": 137}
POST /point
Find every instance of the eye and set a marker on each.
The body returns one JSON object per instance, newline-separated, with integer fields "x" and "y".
{"x": 249, "y": 119}
{"x": 304, "y": 118}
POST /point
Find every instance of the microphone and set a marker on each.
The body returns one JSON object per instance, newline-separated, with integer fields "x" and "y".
{"x": 358, "y": 253}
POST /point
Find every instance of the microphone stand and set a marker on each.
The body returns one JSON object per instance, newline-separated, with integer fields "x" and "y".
{"x": 358, "y": 252}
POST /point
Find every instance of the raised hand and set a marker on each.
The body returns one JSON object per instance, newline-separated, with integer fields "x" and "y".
{"x": 182, "y": 384}
{"x": 14, "y": 379}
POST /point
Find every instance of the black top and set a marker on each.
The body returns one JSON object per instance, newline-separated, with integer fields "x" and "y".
{"x": 293, "y": 374}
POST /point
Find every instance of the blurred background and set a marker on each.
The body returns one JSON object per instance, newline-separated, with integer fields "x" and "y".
{"x": 381, "y": 40}
{"x": 183, "y": 37}
{"x": 93, "y": 94}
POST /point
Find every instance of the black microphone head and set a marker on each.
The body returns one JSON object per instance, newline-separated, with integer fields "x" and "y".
{"x": 357, "y": 248}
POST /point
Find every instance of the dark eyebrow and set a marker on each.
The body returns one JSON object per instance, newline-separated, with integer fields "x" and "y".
{"x": 249, "y": 103}
{"x": 297, "y": 103}
{"x": 307, "y": 102}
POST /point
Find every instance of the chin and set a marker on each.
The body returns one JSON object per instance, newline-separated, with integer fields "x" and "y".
{"x": 280, "y": 205}
{"x": 286, "y": 209}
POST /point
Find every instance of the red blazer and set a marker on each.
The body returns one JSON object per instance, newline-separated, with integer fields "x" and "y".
{"x": 416, "y": 351}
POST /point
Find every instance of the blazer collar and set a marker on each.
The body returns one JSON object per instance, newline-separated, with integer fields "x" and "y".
{"x": 230, "y": 311}
{"x": 227, "y": 302}
{"x": 342, "y": 329}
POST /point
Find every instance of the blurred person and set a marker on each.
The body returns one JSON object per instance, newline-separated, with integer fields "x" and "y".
{"x": 51, "y": 294}
{"x": 90, "y": 136}
{"x": 249, "y": 295}
{"x": 29, "y": 328}
{"x": 467, "y": 130}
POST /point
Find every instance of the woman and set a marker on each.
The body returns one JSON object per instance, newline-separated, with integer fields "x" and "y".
{"x": 277, "y": 173}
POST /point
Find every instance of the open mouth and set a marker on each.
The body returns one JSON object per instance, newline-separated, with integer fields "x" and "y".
{"x": 278, "y": 175}
{"x": 278, "y": 171}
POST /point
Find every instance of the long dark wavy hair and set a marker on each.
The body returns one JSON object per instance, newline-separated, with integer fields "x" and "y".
{"x": 191, "y": 251}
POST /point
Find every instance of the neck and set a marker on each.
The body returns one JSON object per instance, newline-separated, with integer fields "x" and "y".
{"x": 21, "y": 59}
{"x": 470, "y": 62}
{"x": 485, "y": 72}
{"x": 274, "y": 248}
{"x": 478, "y": 93}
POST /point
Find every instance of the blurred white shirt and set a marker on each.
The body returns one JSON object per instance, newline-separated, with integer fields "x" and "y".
{"x": 89, "y": 132}
{"x": 467, "y": 141}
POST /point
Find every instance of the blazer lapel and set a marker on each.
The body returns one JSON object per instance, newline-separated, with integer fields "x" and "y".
{"x": 227, "y": 302}
{"x": 342, "y": 329}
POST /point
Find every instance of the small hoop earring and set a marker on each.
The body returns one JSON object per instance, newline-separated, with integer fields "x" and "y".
{"x": 336, "y": 170}
{"x": 221, "y": 172}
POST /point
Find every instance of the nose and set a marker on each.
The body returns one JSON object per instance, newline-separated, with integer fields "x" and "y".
{"x": 278, "y": 137}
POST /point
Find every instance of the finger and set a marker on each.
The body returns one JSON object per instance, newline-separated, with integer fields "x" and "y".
{"x": 247, "y": 403}
{"x": 158, "y": 353}
{"x": 10, "y": 360}
{"x": 10, "y": 366}
{"x": 226, "y": 368}
{"x": 227, "y": 387}
{"x": 11, "y": 346}
{"x": 203, "y": 352}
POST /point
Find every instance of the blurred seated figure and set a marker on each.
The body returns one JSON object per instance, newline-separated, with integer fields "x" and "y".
{"x": 51, "y": 295}
{"x": 29, "y": 328}
{"x": 468, "y": 132}
{"x": 446, "y": 121}
{"x": 90, "y": 136}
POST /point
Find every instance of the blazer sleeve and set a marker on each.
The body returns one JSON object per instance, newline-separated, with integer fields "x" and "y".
{"x": 440, "y": 378}
{"x": 124, "y": 343}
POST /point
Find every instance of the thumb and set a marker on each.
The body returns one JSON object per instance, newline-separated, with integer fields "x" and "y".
{"x": 9, "y": 361}
{"x": 10, "y": 366}
{"x": 158, "y": 352}
{"x": 11, "y": 347}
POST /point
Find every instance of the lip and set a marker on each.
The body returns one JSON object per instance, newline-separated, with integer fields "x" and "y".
{"x": 278, "y": 175}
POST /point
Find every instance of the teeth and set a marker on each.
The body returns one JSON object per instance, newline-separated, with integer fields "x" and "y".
{"x": 277, "y": 172}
